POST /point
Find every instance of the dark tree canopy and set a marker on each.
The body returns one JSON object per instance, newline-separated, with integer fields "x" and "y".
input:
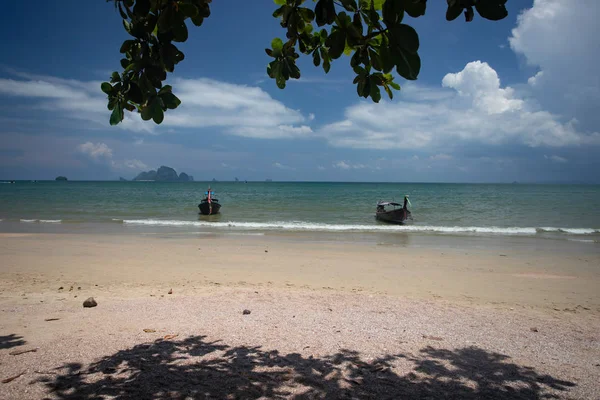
{"x": 371, "y": 32}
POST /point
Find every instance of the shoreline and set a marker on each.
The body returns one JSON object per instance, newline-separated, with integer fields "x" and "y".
{"x": 546, "y": 276}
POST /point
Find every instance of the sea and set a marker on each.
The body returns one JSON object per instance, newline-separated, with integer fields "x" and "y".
{"x": 342, "y": 210}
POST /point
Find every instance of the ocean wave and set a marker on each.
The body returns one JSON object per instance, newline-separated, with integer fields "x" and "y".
{"x": 319, "y": 227}
{"x": 43, "y": 221}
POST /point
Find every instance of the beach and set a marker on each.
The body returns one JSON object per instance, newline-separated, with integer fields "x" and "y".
{"x": 325, "y": 318}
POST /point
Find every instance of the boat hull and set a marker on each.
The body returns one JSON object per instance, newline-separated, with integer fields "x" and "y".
{"x": 398, "y": 216}
{"x": 206, "y": 209}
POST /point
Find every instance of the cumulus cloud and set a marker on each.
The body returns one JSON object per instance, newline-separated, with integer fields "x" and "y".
{"x": 96, "y": 150}
{"x": 101, "y": 153}
{"x": 238, "y": 109}
{"x": 135, "y": 164}
{"x": 344, "y": 165}
{"x": 341, "y": 165}
{"x": 440, "y": 157}
{"x": 470, "y": 107}
{"x": 560, "y": 38}
{"x": 282, "y": 166}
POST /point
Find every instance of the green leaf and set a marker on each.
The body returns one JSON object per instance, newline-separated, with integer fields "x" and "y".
{"x": 375, "y": 60}
{"x": 127, "y": 26}
{"x": 348, "y": 49}
{"x": 413, "y": 8}
{"x": 336, "y": 43}
{"x": 409, "y": 65}
{"x": 316, "y": 58}
{"x": 180, "y": 32}
{"x": 326, "y": 66}
{"x": 307, "y": 14}
{"x": 374, "y": 90}
{"x": 117, "y": 115}
{"x": 378, "y": 4}
{"x": 393, "y": 12}
{"x": 277, "y": 45}
{"x": 405, "y": 36}
{"x": 135, "y": 94}
{"x": 349, "y": 5}
{"x": 125, "y": 62}
{"x": 469, "y": 14}
{"x": 170, "y": 100}
{"x": 156, "y": 110}
{"x": 165, "y": 20}
{"x": 493, "y": 10}
{"x": 394, "y": 85}
{"x": 115, "y": 77}
{"x": 106, "y": 87}
{"x": 453, "y": 11}
{"x": 277, "y": 13}
{"x": 279, "y": 2}
{"x": 325, "y": 12}
{"x": 387, "y": 60}
{"x": 188, "y": 10}
{"x": 389, "y": 91}
{"x": 198, "y": 20}
{"x": 127, "y": 45}
{"x": 363, "y": 88}
{"x": 141, "y": 8}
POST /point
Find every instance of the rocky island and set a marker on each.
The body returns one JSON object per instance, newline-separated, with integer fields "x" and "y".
{"x": 60, "y": 178}
{"x": 163, "y": 174}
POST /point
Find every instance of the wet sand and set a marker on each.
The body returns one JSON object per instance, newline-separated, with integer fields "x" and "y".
{"x": 328, "y": 320}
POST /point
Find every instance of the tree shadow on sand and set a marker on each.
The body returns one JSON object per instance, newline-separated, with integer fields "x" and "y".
{"x": 194, "y": 368}
{"x": 12, "y": 340}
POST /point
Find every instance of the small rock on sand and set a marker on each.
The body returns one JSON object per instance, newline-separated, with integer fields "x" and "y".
{"x": 246, "y": 312}
{"x": 170, "y": 291}
{"x": 534, "y": 329}
{"x": 90, "y": 302}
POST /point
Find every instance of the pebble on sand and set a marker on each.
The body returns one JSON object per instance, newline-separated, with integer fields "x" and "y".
{"x": 170, "y": 291}
{"x": 246, "y": 312}
{"x": 90, "y": 302}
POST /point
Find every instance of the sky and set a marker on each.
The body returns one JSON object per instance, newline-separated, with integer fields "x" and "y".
{"x": 513, "y": 100}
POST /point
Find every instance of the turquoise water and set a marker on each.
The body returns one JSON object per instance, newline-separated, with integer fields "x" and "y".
{"x": 474, "y": 209}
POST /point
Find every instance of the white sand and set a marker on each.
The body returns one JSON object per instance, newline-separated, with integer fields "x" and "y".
{"x": 327, "y": 320}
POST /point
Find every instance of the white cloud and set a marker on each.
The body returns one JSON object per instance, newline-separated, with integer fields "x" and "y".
{"x": 472, "y": 108}
{"x": 96, "y": 151}
{"x": 135, "y": 164}
{"x": 345, "y": 166}
{"x": 282, "y": 166}
{"x": 440, "y": 157}
{"x": 556, "y": 159}
{"x": 238, "y": 109}
{"x": 561, "y": 39}
{"x": 101, "y": 153}
{"x": 342, "y": 165}
{"x": 321, "y": 168}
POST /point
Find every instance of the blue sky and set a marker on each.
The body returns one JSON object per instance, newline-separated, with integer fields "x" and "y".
{"x": 495, "y": 101}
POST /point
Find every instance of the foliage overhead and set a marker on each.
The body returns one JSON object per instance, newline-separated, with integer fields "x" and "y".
{"x": 371, "y": 32}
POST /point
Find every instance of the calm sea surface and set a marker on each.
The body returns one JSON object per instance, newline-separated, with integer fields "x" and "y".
{"x": 556, "y": 211}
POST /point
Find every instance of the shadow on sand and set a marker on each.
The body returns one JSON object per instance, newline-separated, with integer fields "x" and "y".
{"x": 12, "y": 340}
{"x": 194, "y": 368}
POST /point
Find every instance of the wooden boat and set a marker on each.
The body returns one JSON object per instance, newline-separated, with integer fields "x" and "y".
{"x": 209, "y": 205}
{"x": 394, "y": 215}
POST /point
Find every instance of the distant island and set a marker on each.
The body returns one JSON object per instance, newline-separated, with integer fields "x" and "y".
{"x": 61, "y": 178}
{"x": 164, "y": 174}
{"x": 121, "y": 179}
